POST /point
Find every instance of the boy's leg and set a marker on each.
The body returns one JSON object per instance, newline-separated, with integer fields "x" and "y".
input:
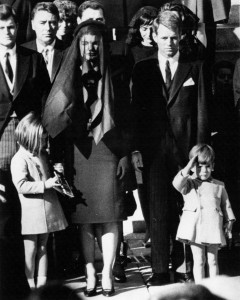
{"x": 199, "y": 261}
{"x": 212, "y": 255}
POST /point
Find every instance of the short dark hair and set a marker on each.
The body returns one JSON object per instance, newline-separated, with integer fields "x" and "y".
{"x": 45, "y": 6}
{"x": 93, "y": 4}
{"x": 67, "y": 9}
{"x": 6, "y": 12}
{"x": 170, "y": 19}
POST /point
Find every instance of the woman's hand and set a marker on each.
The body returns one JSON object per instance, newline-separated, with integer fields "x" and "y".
{"x": 137, "y": 161}
{"x": 123, "y": 167}
{"x": 191, "y": 164}
{"x": 51, "y": 182}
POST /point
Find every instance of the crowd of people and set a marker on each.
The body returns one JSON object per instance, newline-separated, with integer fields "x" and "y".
{"x": 157, "y": 122}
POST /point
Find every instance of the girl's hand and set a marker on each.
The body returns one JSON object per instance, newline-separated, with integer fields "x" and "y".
{"x": 51, "y": 182}
{"x": 191, "y": 164}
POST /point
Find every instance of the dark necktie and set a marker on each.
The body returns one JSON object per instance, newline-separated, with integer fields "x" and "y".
{"x": 168, "y": 75}
{"x": 7, "y": 67}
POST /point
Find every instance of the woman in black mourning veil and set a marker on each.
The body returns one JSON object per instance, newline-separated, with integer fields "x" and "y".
{"x": 80, "y": 108}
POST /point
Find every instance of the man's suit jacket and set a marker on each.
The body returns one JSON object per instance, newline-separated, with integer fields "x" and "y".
{"x": 59, "y": 51}
{"x": 183, "y": 114}
{"x": 31, "y": 87}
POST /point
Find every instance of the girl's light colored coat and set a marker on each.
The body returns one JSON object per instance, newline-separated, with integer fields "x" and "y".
{"x": 41, "y": 210}
{"x": 206, "y": 208}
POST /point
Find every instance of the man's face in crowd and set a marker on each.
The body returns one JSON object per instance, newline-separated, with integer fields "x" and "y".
{"x": 65, "y": 26}
{"x": 8, "y": 33}
{"x": 45, "y": 25}
{"x": 95, "y": 14}
{"x": 167, "y": 41}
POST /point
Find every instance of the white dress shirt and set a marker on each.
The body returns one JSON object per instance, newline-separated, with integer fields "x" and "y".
{"x": 13, "y": 63}
{"x": 41, "y": 49}
{"x": 173, "y": 62}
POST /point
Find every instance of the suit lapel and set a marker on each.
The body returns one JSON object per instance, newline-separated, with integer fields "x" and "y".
{"x": 3, "y": 83}
{"x": 181, "y": 73}
{"x": 57, "y": 58}
{"x": 21, "y": 72}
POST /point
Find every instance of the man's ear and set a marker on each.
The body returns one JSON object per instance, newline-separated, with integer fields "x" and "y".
{"x": 213, "y": 165}
{"x": 154, "y": 35}
{"x": 33, "y": 24}
{"x": 78, "y": 20}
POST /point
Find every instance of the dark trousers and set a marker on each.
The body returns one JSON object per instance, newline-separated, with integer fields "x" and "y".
{"x": 164, "y": 209}
{"x": 13, "y": 281}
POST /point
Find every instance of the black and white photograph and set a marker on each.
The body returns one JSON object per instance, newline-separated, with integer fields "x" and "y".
{"x": 120, "y": 149}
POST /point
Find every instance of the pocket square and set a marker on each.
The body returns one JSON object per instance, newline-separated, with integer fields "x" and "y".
{"x": 189, "y": 82}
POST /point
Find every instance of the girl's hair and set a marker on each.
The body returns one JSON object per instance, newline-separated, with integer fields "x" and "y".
{"x": 204, "y": 152}
{"x": 29, "y": 133}
{"x": 143, "y": 17}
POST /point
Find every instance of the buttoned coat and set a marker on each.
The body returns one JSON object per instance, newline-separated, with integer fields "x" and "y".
{"x": 206, "y": 208}
{"x": 41, "y": 210}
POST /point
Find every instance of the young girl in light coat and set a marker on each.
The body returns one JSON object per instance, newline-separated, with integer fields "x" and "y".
{"x": 41, "y": 210}
{"x": 206, "y": 209}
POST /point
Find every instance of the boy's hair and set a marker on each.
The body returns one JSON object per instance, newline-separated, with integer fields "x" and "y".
{"x": 93, "y": 4}
{"x": 29, "y": 133}
{"x": 6, "y": 12}
{"x": 170, "y": 19}
{"x": 204, "y": 152}
{"x": 45, "y": 6}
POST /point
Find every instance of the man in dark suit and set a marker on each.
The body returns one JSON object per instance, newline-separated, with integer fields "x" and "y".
{"x": 169, "y": 102}
{"x": 24, "y": 87}
{"x": 45, "y": 18}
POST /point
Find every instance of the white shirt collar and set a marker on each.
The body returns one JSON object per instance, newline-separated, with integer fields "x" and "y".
{"x": 40, "y": 47}
{"x": 3, "y": 51}
{"x": 171, "y": 60}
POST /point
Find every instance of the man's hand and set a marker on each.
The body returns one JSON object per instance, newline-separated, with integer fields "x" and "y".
{"x": 2, "y": 193}
{"x": 123, "y": 167}
{"x": 137, "y": 161}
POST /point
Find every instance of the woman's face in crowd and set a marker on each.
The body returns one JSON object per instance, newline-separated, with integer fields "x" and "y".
{"x": 89, "y": 46}
{"x": 65, "y": 26}
{"x": 146, "y": 34}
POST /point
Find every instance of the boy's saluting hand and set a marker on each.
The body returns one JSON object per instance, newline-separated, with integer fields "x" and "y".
{"x": 191, "y": 164}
